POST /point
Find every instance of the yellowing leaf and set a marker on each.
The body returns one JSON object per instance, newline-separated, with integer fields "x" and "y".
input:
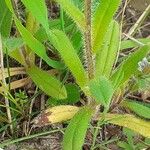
{"x": 55, "y": 114}
{"x": 138, "y": 125}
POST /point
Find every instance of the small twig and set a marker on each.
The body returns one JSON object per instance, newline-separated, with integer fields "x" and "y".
{"x": 4, "y": 82}
{"x": 135, "y": 27}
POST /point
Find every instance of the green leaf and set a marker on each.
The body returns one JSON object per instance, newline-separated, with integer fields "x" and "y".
{"x": 138, "y": 107}
{"x": 13, "y": 43}
{"x": 38, "y": 10}
{"x": 41, "y": 34}
{"x": 106, "y": 57}
{"x": 62, "y": 43}
{"x": 116, "y": 82}
{"x": 130, "y": 65}
{"x": 130, "y": 135}
{"x": 131, "y": 44}
{"x": 5, "y": 19}
{"x": 32, "y": 42}
{"x": 73, "y": 96}
{"x": 36, "y": 46}
{"x": 47, "y": 83}
{"x": 131, "y": 122}
{"x": 101, "y": 89}
{"x": 124, "y": 145}
{"x": 101, "y": 20}
{"x": 76, "y": 130}
{"x": 73, "y": 12}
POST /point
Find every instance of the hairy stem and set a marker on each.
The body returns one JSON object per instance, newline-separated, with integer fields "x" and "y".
{"x": 87, "y": 36}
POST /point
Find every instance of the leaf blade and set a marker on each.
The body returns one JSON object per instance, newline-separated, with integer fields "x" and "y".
{"x": 36, "y": 46}
{"x": 130, "y": 65}
{"x": 73, "y": 12}
{"x": 102, "y": 90}
{"x": 129, "y": 121}
{"x": 47, "y": 83}
{"x": 76, "y": 130}
{"x": 69, "y": 55}
{"x": 39, "y": 10}
{"x": 137, "y": 107}
{"x": 5, "y": 19}
{"x": 102, "y": 17}
{"x": 106, "y": 57}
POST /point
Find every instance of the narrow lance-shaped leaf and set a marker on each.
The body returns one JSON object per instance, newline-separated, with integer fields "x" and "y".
{"x": 36, "y": 46}
{"x": 118, "y": 79}
{"x": 32, "y": 42}
{"x": 73, "y": 12}
{"x": 11, "y": 46}
{"x": 102, "y": 90}
{"x": 76, "y": 130}
{"x": 139, "y": 108}
{"x": 131, "y": 44}
{"x": 130, "y": 65}
{"x": 101, "y": 20}
{"x": 62, "y": 43}
{"x": 47, "y": 83}
{"x": 5, "y": 19}
{"x": 39, "y": 11}
{"x": 13, "y": 43}
{"x": 106, "y": 57}
{"x": 131, "y": 122}
{"x": 55, "y": 114}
